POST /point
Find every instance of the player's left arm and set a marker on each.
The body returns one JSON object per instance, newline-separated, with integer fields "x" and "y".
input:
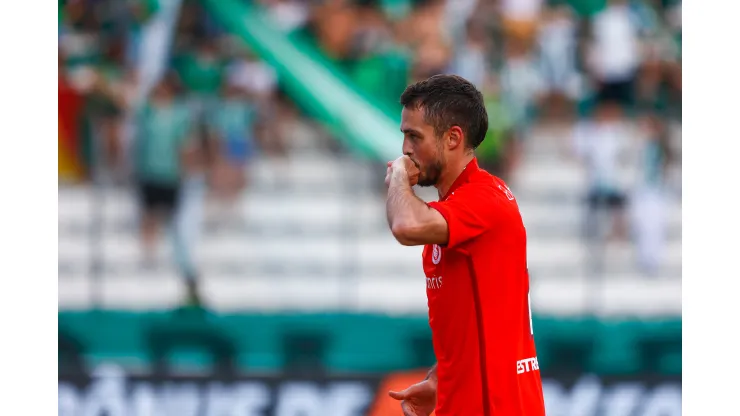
{"x": 411, "y": 220}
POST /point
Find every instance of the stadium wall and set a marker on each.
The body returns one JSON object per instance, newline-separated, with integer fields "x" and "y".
{"x": 346, "y": 343}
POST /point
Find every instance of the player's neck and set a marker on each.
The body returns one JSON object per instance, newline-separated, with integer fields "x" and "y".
{"x": 451, "y": 174}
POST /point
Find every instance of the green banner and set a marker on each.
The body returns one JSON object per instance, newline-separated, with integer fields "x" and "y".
{"x": 346, "y": 342}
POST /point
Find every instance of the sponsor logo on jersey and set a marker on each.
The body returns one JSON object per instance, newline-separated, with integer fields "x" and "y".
{"x": 526, "y": 365}
{"x": 434, "y": 282}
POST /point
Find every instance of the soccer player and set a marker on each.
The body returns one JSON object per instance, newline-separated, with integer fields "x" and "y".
{"x": 474, "y": 259}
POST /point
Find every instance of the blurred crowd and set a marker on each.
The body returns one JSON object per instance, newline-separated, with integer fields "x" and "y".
{"x": 180, "y": 122}
{"x": 219, "y": 96}
{"x": 213, "y": 106}
{"x": 535, "y": 60}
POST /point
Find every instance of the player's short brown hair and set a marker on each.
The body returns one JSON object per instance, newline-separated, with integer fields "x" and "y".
{"x": 450, "y": 100}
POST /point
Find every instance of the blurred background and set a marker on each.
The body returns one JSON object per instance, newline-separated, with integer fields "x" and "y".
{"x": 223, "y": 248}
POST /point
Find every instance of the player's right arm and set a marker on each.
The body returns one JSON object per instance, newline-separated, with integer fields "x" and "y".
{"x": 410, "y": 219}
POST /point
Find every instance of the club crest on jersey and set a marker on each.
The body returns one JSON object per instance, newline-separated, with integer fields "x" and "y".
{"x": 507, "y": 191}
{"x": 436, "y": 254}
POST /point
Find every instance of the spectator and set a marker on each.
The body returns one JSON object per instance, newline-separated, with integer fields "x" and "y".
{"x": 425, "y": 32}
{"x": 231, "y": 128}
{"x": 257, "y": 83}
{"x": 471, "y": 59}
{"x": 426, "y": 24}
{"x": 648, "y": 203}
{"x": 108, "y": 102}
{"x": 431, "y": 58}
{"x": 521, "y": 89}
{"x": 332, "y": 23}
{"x": 651, "y": 86}
{"x": 380, "y": 62}
{"x": 247, "y": 72}
{"x": 615, "y": 53}
{"x": 164, "y": 151}
{"x": 201, "y": 72}
{"x": 520, "y": 19}
{"x": 81, "y": 41}
{"x": 498, "y": 150}
{"x": 600, "y": 145}
{"x": 557, "y": 51}
{"x": 289, "y": 15}
{"x": 656, "y": 88}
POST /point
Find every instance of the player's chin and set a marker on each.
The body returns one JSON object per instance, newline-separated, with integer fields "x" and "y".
{"x": 424, "y": 182}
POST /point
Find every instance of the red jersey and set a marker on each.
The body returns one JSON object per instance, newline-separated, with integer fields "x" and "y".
{"x": 479, "y": 312}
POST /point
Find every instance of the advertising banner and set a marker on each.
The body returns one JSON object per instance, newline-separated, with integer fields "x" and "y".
{"x": 110, "y": 391}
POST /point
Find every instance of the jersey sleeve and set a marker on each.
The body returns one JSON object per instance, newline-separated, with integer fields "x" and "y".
{"x": 469, "y": 212}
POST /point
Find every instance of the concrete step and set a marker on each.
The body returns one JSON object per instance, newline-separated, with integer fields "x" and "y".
{"x": 263, "y": 214}
{"x": 621, "y": 295}
{"x": 329, "y": 254}
{"x": 546, "y": 231}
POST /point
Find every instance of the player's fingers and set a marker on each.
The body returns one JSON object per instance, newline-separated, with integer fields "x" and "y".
{"x": 408, "y": 393}
{"x": 411, "y": 164}
{"x": 408, "y": 410}
{"x": 404, "y": 394}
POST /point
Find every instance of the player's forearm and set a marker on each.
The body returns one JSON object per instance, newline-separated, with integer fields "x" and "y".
{"x": 405, "y": 211}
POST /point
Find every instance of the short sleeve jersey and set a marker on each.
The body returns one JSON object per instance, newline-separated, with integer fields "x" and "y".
{"x": 162, "y": 135}
{"x": 478, "y": 296}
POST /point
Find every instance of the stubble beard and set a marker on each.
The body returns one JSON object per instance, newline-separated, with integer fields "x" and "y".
{"x": 432, "y": 173}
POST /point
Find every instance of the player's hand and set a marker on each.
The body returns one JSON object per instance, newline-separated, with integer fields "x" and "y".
{"x": 404, "y": 165}
{"x": 417, "y": 400}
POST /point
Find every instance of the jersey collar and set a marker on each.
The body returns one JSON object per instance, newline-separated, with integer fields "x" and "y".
{"x": 463, "y": 177}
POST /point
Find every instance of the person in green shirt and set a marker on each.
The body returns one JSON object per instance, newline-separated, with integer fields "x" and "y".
{"x": 231, "y": 124}
{"x": 201, "y": 69}
{"x": 495, "y": 152}
{"x": 164, "y": 153}
{"x": 162, "y": 135}
{"x": 105, "y": 110}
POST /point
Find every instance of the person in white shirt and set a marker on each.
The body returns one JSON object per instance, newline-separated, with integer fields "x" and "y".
{"x": 600, "y": 144}
{"x": 615, "y": 55}
{"x": 649, "y": 200}
{"x": 471, "y": 60}
{"x": 557, "y": 47}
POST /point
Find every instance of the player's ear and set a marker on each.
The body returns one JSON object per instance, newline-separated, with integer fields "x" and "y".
{"x": 455, "y": 137}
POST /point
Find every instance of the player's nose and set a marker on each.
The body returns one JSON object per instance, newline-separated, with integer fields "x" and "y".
{"x": 407, "y": 149}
